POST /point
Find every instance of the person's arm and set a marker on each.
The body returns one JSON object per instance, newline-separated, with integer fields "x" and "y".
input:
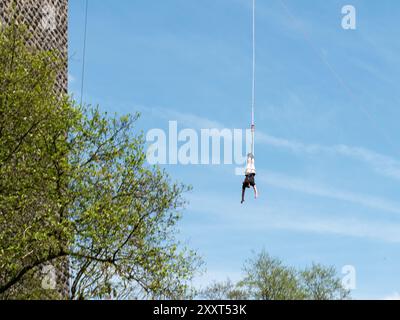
{"x": 243, "y": 191}
{"x": 255, "y": 191}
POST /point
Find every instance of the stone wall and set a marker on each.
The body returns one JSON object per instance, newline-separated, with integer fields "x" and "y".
{"x": 47, "y": 21}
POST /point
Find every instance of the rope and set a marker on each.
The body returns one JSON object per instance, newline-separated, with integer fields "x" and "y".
{"x": 84, "y": 50}
{"x": 253, "y": 89}
{"x": 81, "y": 100}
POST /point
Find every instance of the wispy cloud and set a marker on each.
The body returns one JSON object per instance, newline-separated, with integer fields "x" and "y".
{"x": 393, "y": 296}
{"x": 71, "y": 78}
{"x": 273, "y": 216}
{"x": 307, "y": 187}
{"x": 344, "y": 227}
{"x": 213, "y": 274}
{"x": 188, "y": 119}
{"x": 381, "y": 163}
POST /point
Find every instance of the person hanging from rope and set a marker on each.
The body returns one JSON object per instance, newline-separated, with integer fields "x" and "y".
{"x": 250, "y": 173}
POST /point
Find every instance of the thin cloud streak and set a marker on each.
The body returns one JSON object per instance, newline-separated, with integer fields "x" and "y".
{"x": 384, "y": 165}
{"x": 303, "y": 186}
{"x": 292, "y": 219}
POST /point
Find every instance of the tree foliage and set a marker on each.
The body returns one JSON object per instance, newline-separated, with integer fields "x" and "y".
{"x": 75, "y": 186}
{"x": 267, "y": 278}
{"x": 226, "y": 290}
{"x": 322, "y": 283}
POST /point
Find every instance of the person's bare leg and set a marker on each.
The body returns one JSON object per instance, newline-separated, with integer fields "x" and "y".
{"x": 243, "y": 191}
{"x": 255, "y": 192}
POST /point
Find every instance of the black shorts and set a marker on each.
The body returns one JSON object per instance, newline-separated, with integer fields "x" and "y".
{"x": 249, "y": 181}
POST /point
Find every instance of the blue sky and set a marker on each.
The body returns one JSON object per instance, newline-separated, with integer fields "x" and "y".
{"x": 327, "y": 144}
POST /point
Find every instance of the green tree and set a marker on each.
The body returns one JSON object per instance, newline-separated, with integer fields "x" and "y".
{"x": 75, "y": 186}
{"x": 31, "y": 119}
{"x": 322, "y": 283}
{"x": 267, "y": 278}
{"x": 226, "y": 290}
